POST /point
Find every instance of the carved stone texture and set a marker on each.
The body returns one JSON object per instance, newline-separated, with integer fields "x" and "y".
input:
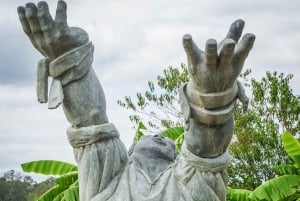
{"x": 152, "y": 172}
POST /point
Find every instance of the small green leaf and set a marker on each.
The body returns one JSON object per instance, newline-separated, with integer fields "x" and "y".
{"x": 291, "y": 145}
{"x": 72, "y": 194}
{"x": 237, "y": 194}
{"x": 52, "y": 193}
{"x": 139, "y": 132}
{"x": 174, "y": 132}
{"x": 67, "y": 179}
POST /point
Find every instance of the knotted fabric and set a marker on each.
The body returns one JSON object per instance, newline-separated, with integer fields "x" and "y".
{"x": 69, "y": 67}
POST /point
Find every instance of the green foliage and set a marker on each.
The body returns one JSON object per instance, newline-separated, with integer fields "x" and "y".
{"x": 48, "y": 167}
{"x": 158, "y": 106}
{"x": 66, "y": 188}
{"x": 13, "y": 188}
{"x": 291, "y": 145}
{"x": 176, "y": 134}
{"x": 139, "y": 132}
{"x": 257, "y": 145}
{"x": 238, "y": 194}
{"x": 282, "y": 188}
{"x": 41, "y": 188}
{"x": 277, "y": 99}
{"x": 16, "y": 187}
{"x": 285, "y": 187}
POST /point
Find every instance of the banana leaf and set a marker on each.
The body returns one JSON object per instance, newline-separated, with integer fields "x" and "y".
{"x": 174, "y": 132}
{"x": 291, "y": 145}
{"x": 52, "y": 194}
{"x": 49, "y": 167}
{"x": 286, "y": 170}
{"x": 238, "y": 194}
{"x": 276, "y": 189}
{"x": 72, "y": 194}
{"x": 67, "y": 179}
{"x": 139, "y": 132}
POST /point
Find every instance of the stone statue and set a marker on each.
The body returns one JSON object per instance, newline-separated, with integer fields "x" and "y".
{"x": 152, "y": 172}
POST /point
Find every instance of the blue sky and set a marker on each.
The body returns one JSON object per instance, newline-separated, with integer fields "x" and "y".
{"x": 134, "y": 41}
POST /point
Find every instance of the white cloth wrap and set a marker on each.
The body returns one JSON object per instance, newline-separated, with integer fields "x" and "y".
{"x": 80, "y": 137}
{"x": 201, "y": 114}
{"x": 69, "y": 67}
{"x": 100, "y": 155}
{"x": 216, "y": 99}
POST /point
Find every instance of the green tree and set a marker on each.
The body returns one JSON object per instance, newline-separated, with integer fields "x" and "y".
{"x": 285, "y": 187}
{"x": 12, "y": 188}
{"x": 41, "y": 188}
{"x": 256, "y": 146}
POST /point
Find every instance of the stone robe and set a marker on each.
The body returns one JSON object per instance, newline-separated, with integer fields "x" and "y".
{"x": 117, "y": 178}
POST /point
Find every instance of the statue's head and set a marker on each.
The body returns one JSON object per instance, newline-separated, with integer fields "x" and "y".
{"x": 156, "y": 146}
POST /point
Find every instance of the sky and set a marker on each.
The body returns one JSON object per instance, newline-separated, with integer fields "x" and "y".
{"x": 134, "y": 41}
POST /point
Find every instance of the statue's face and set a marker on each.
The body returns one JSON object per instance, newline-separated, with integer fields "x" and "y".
{"x": 156, "y": 146}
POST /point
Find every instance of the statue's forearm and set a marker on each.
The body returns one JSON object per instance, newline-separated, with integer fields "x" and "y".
{"x": 76, "y": 85}
{"x": 84, "y": 101}
{"x": 207, "y": 131}
{"x": 208, "y": 141}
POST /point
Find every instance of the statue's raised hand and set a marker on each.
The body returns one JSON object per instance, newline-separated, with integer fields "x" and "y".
{"x": 51, "y": 37}
{"x": 68, "y": 59}
{"x": 215, "y": 70}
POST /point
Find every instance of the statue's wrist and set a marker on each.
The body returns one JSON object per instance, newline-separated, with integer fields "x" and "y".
{"x": 202, "y": 111}
{"x": 212, "y": 116}
{"x": 67, "y": 68}
{"x": 211, "y": 100}
{"x": 73, "y": 64}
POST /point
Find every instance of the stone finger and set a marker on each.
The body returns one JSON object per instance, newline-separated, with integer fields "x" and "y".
{"x": 32, "y": 18}
{"x": 235, "y": 30}
{"x": 45, "y": 20}
{"x": 61, "y": 14}
{"x": 47, "y": 27}
{"x": 242, "y": 50}
{"x": 226, "y": 53}
{"x": 26, "y": 26}
{"x": 211, "y": 53}
{"x": 192, "y": 51}
{"x": 31, "y": 15}
{"x": 23, "y": 20}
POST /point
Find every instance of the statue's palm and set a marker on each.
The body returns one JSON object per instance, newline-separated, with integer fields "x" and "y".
{"x": 51, "y": 38}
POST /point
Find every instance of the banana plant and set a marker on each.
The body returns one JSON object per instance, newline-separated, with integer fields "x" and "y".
{"x": 66, "y": 188}
{"x": 286, "y": 187}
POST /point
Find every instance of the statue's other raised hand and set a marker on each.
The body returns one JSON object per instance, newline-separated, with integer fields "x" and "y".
{"x": 68, "y": 60}
{"x": 51, "y": 38}
{"x": 213, "y": 72}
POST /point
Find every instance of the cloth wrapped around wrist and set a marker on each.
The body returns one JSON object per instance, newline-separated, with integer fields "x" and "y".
{"x": 80, "y": 137}
{"x": 67, "y": 68}
{"x": 211, "y": 108}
